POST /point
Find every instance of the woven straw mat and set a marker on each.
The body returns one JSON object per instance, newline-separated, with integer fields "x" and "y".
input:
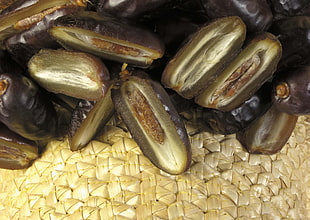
{"x": 111, "y": 179}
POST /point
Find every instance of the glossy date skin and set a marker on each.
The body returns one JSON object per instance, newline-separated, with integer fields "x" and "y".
{"x": 294, "y": 35}
{"x": 291, "y": 91}
{"x": 269, "y": 133}
{"x": 17, "y": 5}
{"x": 128, "y": 8}
{"x": 288, "y": 8}
{"x": 256, "y": 14}
{"x": 24, "y": 107}
{"x": 24, "y": 45}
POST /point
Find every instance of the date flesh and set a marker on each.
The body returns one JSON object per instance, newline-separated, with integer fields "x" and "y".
{"x": 197, "y": 64}
{"x": 87, "y": 119}
{"x": 108, "y": 38}
{"x": 75, "y": 74}
{"x": 155, "y": 125}
{"x": 255, "y": 64}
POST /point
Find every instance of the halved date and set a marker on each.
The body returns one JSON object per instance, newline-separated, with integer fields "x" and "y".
{"x": 233, "y": 121}
{"x": 197, "y": 64}
{"x": 75, "y": 74}
{"x": 16, "y": 152}
{"x": 154, "y": 123}
{"x": 255, "y": 64}
{"x": 87, "y": 119}
{"x": 24, "y": 45}
{"x": 28, "y": 13}
{"x": 269, "y": 133}
{"x": 108, "y": 37}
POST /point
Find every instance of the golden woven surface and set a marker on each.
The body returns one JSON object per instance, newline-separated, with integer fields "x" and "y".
{"x": 111, "y": 179}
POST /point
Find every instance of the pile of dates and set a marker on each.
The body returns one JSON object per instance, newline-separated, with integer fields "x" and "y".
{"x": 67, "y": 66}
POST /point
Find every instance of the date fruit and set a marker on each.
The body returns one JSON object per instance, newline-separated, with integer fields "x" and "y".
{"x": 197, "y": 64}
{"x": 155, "y": 125}
{"x": 233, "y": 121}
{"x": 269, "y": 133}
{"x": 24, "y": 45}
{"x": 108, "y": 37}
{"x": 291, "y": 91}
{"x": 288, "y": 8}
{"x": 16, "y": 152}
{"x": 25, "y": 108}
{"x": 128, "y": 8}
{"x": 87, "y": 119}
{"x": 293, "y": 33}
{"x": 255, "y": 64}
{"x": 75, "y": 74}
{"x": 256, "y": 14}
{"x": 28, "y": 13}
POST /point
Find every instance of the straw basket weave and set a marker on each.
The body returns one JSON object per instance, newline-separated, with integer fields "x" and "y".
{"x": 111, "y": 179}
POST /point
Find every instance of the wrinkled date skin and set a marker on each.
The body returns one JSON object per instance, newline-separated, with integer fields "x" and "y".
{"x": 294, "y": 35}
{"x": 288, "y": 8}
{"x": 269, "y": 133}
{"x": 24, "y": 107}
{"x": 291, "y": 91}
{"x": 256, "y": 14}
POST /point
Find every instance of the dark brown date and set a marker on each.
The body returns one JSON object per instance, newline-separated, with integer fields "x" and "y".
{"x": 256, "y": 14}
{"x": 293, "y": 33}
{"x": 24, "y": 107}
{"x": 128, "y": 8}
{"x": 291, "y": 91}
{"x": 155, "y": 125}
{"x": 269, "y": 133}
{"x": 288, "y": 8}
